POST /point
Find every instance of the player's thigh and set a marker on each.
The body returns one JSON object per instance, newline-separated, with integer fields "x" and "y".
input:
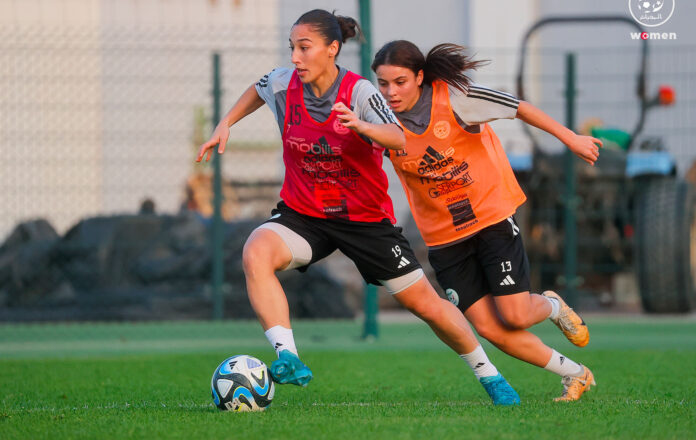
{"x": 514, "y": 307}
{"x": 287, "y": 240}
{"x": 459, "y": 273}
{"x": 420, "y": 297}
{"x": 265, "y": 250}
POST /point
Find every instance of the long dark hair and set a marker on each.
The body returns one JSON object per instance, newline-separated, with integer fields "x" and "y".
{"x": 331, "y": 26}
{"x": 447, "y": 62}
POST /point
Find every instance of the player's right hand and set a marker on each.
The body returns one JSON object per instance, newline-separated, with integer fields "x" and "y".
{"x": 219, "y": 137}
{"x": 586, "y": 148}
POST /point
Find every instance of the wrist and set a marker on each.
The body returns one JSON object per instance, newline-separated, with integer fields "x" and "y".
{"x": 567, "y": 136}
{"x": 361, "y": 127}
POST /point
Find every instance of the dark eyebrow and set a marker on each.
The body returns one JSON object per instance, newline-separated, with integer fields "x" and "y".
{"x": 395, "y": 79}
{"x": 301, "y": 39}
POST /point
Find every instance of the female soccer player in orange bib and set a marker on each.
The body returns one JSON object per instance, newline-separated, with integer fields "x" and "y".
{"x": 334, "y": 196}
{"x": 463, "y": 195}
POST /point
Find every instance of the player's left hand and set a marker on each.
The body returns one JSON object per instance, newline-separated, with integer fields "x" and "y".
{"x": 347, "y": 117}
{"x": 586, "y": 148}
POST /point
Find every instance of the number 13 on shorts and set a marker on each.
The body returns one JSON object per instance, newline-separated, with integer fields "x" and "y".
{"x": 506, "y": 266}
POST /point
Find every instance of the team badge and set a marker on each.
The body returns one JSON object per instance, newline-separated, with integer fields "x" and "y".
{"x": 452, "y": 296}
{"x": 340, "y": 128}
{"x": 441, "y": 129}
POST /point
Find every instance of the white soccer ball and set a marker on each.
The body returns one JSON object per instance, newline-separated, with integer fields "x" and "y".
{"x": 242, "y": 383}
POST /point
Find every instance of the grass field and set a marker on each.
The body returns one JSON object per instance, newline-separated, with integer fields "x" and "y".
{"x": 152, "y": 381}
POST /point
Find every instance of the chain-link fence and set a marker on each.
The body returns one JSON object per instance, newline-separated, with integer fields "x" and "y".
{"x": 99, "y": 129}
{"x": 630, "y": 226}
{"x": 106, "y": 215}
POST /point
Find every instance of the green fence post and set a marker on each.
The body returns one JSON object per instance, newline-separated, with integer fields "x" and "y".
{"x": 366, "y": 45}
{"x": 570, "y": 253}
{"x": 370, "y": 328}
{"x": 216, "y": 232}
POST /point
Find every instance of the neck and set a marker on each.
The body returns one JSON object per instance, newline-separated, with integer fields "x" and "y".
{"x": 413, "y": 103}
{"x": 322, "y": 84}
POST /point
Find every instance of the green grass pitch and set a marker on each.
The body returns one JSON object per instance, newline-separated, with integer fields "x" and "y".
{"x": 152, "y": 381}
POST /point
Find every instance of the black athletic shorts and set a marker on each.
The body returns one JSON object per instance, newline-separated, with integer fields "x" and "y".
{"x": 492, "y": 261}
{"x": 379, "y": 250}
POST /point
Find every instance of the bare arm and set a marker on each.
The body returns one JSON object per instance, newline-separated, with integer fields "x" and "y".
{"x": 249, "y": 102}
{"x": 389, "y": 136}
{"x": 585, "y": 147}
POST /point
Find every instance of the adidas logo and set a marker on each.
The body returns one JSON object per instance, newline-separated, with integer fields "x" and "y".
{"x": 561, "y": 359}
{"x": 507, "y": 281}
{"x": 403, "y": 263}
{"x": 432, "y": 156}
{"x": 232, "y": 364}
{"x": 479, "y": 365}
{"x": 277, "y": 345}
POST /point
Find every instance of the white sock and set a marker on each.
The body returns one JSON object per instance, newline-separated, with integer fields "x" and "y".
{"x": 479, "y": 363}
{"x": 563, "y": 366}
{"x": 555, "y": 307}
{"x": 281, "y": 339}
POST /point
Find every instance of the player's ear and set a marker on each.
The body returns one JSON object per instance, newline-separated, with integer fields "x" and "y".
{"x": 419, "y": 77}
{"x": 333, "y": 49}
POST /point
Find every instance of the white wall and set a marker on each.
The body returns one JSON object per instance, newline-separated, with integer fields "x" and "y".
{"x": 99, "y": 106}
{"x": 78, "y": 137}
{"x": 497, "y": 29}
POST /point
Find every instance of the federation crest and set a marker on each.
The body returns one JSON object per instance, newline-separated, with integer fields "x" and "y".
{"x": 441, "y": 130}
{"x": 340, "y": 128}
{"x": 452, "y": 296}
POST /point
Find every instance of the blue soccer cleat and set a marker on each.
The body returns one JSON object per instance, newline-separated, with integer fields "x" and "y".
{"x": 288, "y": 368}
{"x": 500, "y": 391}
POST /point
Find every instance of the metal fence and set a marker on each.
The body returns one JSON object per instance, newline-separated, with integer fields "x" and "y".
{"x": 99, "y": 131}
{"x": 606, "y": 199}
{"x": 97, "y": 123}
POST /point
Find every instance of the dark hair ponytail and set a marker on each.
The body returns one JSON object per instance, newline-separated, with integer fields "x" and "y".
{"x": 331, "y": 26}
{"x": 447, "y": 62}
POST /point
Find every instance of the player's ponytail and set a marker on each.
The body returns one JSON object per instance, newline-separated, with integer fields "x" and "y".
{"x": 331, "y": 26}
{"x": 447, "y": 62}
{"x": 349, "y": 27}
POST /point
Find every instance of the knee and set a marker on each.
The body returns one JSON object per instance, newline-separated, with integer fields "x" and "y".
{"x": 255, "y": 258}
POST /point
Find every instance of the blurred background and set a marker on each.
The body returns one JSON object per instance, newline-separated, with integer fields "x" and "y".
{"x": 103, "y": 104}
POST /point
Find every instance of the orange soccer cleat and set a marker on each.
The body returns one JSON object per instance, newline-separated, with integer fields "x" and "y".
{"x": 570, "y": 323}
{"x": 574, "y": 387}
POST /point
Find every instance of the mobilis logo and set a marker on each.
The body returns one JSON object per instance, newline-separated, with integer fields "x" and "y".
{"x": 651, "y": 13}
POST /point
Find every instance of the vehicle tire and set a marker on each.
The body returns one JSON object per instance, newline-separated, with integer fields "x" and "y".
{"x": 666, "y": 245}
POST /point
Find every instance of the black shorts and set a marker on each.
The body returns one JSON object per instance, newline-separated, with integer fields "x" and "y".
{"x": 379, "y": 250}
{"x": 492, "y": 261}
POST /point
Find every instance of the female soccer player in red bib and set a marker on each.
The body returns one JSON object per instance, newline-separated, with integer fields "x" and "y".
{"x": 335, "y": 197}
{"x": 463, "y": 195}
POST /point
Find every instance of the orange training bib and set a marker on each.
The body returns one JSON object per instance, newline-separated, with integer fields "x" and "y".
{"x": 456, "y": 182}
